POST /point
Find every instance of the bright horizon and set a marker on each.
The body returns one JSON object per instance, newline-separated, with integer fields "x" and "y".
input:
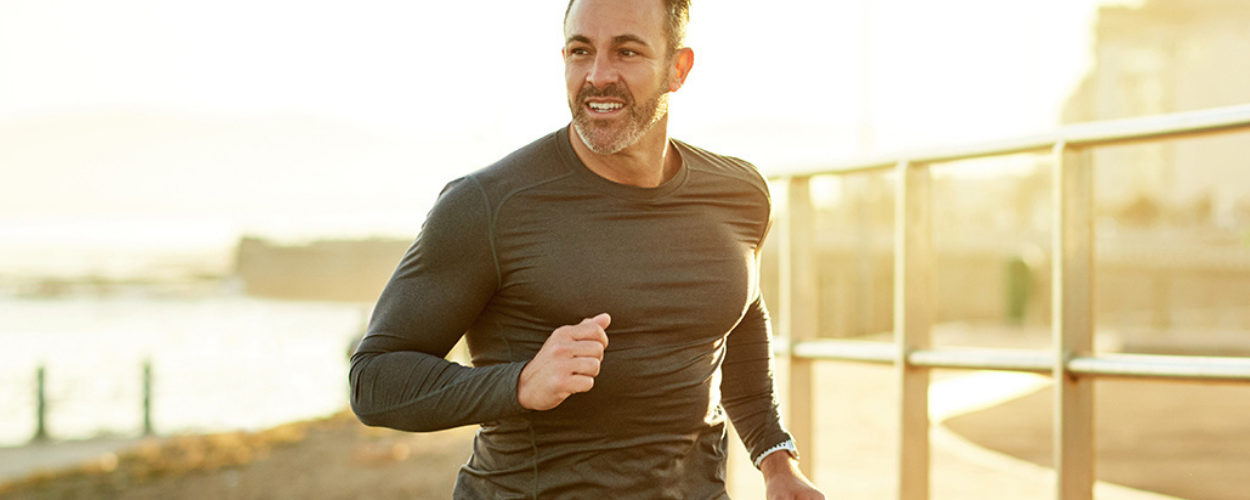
{"x": 140, "y": 123}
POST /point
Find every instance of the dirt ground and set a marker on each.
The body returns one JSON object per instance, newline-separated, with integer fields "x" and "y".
{"x": 1181, "y": 439}
{"x": 336, "y": 458}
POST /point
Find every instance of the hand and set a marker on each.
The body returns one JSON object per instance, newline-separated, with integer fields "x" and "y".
{"x": 784, "y": 481}
{"x": 566, "y": 364}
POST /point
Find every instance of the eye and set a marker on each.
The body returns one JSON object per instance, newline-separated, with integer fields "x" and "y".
{"x": 628, "y": 53}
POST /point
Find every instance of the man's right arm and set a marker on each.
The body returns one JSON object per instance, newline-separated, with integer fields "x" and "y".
{"x": 398, "y": 376}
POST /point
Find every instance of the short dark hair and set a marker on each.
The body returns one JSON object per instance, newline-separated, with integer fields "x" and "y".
{"x": 674, "y": 30}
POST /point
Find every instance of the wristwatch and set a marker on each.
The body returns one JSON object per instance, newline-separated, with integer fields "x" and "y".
{"x": 786, "y": 446}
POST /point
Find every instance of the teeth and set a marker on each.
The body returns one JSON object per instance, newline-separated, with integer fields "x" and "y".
{"x": 604, "y": 106}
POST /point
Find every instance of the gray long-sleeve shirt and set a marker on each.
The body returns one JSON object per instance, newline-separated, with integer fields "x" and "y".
{"x": 537, "y": 241}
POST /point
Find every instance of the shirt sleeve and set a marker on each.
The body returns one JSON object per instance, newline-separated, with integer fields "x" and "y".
{"x": 399, "y": 377}
{"x": 747, "y": 389}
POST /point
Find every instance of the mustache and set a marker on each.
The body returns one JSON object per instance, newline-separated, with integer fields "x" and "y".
{"x": 614, "y": 90}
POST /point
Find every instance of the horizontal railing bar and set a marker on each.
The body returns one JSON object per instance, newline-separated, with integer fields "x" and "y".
{"x": 1163, "y": 367}
{"x": 985, "y": 359}
{"x": 847, "y": 350}
{"x": 1175, "y": 125}
{"x": 1034, "y": 361}
{"x": 887, "y": 352}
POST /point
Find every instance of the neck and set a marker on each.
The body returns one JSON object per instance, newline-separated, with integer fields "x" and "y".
{"x": 647, "y": 163}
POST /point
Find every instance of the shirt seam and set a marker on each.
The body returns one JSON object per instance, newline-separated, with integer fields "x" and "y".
{"x": 492, "y": 219}
{"x": 504, "y": 200}
{"x": 490, "y": 231}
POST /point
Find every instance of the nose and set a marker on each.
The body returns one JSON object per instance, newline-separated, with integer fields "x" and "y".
{"x": 602, "y": 72}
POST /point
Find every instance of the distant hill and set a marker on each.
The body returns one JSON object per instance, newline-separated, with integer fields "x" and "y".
{"x": 339, "y": 270}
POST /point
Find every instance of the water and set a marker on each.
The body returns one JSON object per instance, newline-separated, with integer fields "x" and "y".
{"x": 222, "y": 362}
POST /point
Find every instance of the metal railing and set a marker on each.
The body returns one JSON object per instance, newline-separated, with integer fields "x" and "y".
{"x": 1072, "y": 361}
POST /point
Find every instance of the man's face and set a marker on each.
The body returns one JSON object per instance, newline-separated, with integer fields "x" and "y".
{"x": 617, "y": 68}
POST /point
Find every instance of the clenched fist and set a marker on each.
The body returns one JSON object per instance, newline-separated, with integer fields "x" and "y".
{"x": 566, "y": 364}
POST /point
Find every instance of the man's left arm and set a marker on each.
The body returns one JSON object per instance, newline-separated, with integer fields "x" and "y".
{"x": 750, "y": 399}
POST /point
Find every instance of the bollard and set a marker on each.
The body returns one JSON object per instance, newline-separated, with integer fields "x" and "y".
{"x": 1019, "y": 281}
{"x": 41, "y": 405}
{"x": 147, "y": 397}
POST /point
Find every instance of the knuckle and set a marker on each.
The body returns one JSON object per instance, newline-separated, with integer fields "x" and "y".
{"x": 577, "y": 383}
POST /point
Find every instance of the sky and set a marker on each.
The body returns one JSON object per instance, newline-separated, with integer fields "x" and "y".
{"x": 176, "y": 122}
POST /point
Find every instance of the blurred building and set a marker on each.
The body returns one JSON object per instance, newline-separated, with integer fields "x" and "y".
{"x": 1170, "y": 56}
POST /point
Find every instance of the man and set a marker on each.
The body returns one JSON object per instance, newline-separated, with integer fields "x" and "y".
{"x": 606, "y": 280}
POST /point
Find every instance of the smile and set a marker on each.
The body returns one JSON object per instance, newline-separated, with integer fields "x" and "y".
{"x": 604, "y": 107}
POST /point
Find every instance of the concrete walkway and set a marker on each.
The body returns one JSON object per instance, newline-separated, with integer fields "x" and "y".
{"x": 856, "y": 457}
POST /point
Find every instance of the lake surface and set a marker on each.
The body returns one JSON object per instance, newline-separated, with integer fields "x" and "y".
{"x": 222, "y": 362}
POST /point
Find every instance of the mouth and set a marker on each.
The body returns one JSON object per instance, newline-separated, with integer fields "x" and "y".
{"x": 603, "y": 108}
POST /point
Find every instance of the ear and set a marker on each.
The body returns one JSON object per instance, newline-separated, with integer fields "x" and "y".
{"x": 681, "y": 63}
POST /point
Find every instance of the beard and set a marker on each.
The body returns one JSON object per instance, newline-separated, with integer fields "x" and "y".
{"x": 607, "y": 137}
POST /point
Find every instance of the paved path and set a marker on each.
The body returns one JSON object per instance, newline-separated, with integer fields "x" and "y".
{"x": 856, "y": 453}
{"x": 21, "y": 461}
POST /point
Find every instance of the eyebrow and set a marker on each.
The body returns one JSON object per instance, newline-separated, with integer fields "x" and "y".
{"x": 618, "y": 40}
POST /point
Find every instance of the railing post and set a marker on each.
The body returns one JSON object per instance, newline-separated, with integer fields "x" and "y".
{"x": 913, "y": 235}
{"x": 798, "y": 313}
{"x": 1073, "y": 321}
{"x": 41, "y": 404}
